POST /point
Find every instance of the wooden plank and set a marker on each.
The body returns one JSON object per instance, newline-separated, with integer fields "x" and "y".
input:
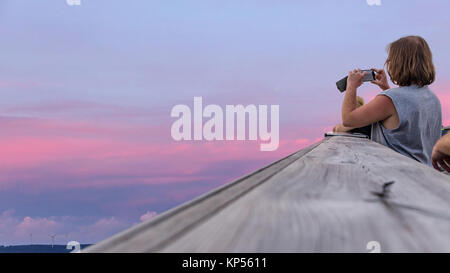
{"x": 161, "y": 230}
{"x": 324, "y": 199}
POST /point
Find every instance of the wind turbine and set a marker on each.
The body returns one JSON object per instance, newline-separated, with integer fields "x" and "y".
{"x": 31, "y": 238}
{"x": 53, "y": 238}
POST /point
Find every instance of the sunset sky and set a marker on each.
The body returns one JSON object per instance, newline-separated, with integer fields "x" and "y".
{"x": 85, "y": 144}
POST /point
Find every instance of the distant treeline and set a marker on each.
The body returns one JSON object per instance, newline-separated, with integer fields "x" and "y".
{"x": 37, "y": 248}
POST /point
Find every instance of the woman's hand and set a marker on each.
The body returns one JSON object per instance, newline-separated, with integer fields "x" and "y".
{"x": 341, "y": 129}
{"x": 440, "y": 154}
{"x": 355, "y": 79}
{"x": 381, "y": 79}
{"x": 442, "y": 159}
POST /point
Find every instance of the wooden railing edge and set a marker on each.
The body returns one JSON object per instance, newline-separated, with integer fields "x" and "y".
{"x": 232, "y": 191}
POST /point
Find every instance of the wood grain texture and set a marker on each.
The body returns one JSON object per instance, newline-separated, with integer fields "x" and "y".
{"x": 322, "y": 199}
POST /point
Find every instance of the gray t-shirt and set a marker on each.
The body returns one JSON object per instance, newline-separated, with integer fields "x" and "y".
{"x": 420, "y": 115}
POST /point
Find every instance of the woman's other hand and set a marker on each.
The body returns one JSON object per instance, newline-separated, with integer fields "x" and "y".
{"x": 381, "y": 79}
{"x": 441, "y": 154}
{"x": 355, "y": 79}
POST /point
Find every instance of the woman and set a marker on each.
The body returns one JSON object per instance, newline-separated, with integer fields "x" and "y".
{"x": 407, "y": 119}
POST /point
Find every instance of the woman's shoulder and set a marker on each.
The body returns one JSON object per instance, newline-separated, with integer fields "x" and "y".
{"x": 408, "y": 90}
{"x": 403, "y": 95}
{"x": 401, "y": 89}
{"x": 393, "y": 92}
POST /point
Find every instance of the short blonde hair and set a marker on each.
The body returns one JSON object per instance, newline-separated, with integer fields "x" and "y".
{"x": 410, "y": 62}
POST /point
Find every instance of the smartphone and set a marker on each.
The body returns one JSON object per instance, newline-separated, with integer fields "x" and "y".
{"x": 342, "y": 84}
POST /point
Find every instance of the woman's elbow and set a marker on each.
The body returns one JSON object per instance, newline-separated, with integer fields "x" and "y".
{"x": 347, "y": 121}
{"x": 347, "y": 124}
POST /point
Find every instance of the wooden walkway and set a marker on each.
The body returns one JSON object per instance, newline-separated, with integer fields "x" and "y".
{"x": 335, "y": 196}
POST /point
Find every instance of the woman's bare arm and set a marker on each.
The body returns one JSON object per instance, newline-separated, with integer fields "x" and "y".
{"x": 378, "y": 109}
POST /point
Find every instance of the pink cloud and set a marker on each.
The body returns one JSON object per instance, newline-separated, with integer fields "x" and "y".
{"x": 443, "y": 94}
{"x": 45, "y": 149}
{"x": 71, "y": 108}
{"x": 148, "y": 215}
{"x": 31, "y": 225}
{"x": 14, "y": 229}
